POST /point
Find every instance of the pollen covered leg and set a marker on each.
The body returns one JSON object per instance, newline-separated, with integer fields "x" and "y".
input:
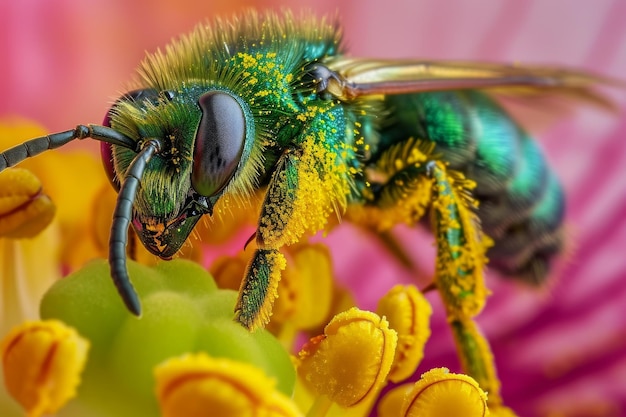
{"x": 461, "y": 246}
{"x": 416, "y": 182}
{"x": 259, "y": 288}
{"x": 310, "y": 182}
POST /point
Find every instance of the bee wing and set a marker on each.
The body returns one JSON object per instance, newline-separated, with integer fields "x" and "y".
{"x": 355, "y": 77}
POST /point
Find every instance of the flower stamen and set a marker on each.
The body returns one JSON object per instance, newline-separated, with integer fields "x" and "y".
{"x": 43, "y": 362}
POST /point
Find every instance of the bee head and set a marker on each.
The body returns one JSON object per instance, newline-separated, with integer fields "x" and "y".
{"x": 204, "y": 139}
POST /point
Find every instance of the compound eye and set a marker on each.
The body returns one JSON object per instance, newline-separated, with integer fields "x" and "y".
{"x": 219, "y": 142}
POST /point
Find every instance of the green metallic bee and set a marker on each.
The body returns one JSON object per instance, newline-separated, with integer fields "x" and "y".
{"x": 268, "y": 101}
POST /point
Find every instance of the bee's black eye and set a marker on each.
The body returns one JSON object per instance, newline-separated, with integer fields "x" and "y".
{"x": 219, "y": 142}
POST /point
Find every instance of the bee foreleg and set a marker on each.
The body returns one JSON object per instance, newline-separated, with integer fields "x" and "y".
{"x": 307, "y": 185}
{"x": 259, "y": 287}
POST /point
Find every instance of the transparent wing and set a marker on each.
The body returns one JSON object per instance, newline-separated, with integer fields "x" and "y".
{"x": 354, "y": 77}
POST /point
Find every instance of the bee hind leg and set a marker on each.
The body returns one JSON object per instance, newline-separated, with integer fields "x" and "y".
{"x": 422, "y": 183}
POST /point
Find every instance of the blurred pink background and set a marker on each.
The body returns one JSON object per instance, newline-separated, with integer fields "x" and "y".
{"x": 63, "y": 62}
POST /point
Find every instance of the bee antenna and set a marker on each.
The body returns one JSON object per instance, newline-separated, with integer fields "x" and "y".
{"x": 121, "y": 221}
{"x": 38, "y": 145}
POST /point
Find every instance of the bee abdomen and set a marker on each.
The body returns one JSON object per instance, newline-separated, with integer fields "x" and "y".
{"x": 497, "y": 138}
{"x": 525, "y": 249}
{"x": 523, "y": 191}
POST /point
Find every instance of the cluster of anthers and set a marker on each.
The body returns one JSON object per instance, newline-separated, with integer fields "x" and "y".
{"x": 186, "y": 357}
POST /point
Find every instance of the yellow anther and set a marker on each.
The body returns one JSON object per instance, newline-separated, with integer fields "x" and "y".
{"x": 349, "y": 363}
{"x": 43, "y": 362}
{"x": 306, "y": 290}
{"x": 408, "y": 313}
{"x": 442, "y": 394}
{"x": 199, "y": 385}
{"x": 24, "y": 209}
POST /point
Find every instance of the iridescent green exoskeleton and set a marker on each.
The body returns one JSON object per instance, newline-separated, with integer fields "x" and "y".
{"x": 271, "y": 102}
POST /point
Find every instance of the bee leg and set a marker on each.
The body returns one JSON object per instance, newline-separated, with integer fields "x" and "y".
{"x": 416, "y": 181}
{"x": 461, "y": 248}
{"x": 476, "y": 357}
{"x": 259, "y": 287}
{"x": 309, "y": 183}
{"x": 461, "y": 245}
{"x": 281, "y": 223}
